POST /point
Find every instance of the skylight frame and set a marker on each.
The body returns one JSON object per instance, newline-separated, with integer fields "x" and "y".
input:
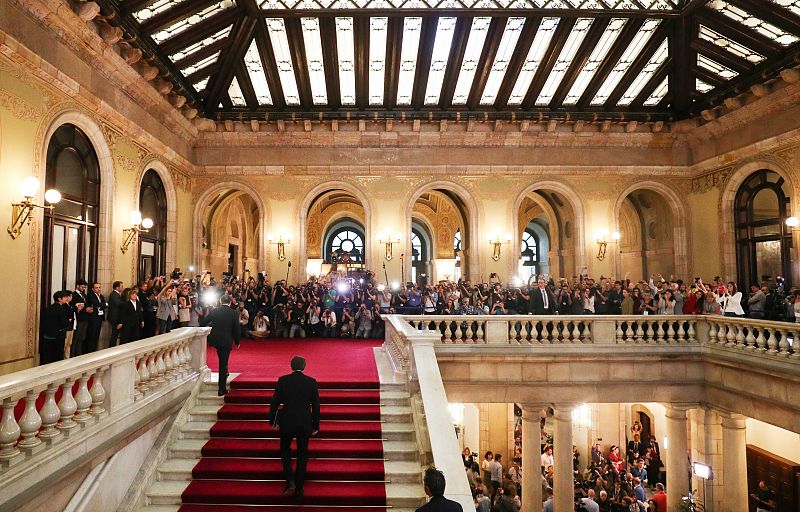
{"x": 185, "y": 23}
{"x": 258, "y": 78}
{"x": 345, "y": 49}
{"x": 651, "y": 68}
{"x": 193, "y": 68}
{"x": 445, "y": 29}
{"x": 378, "y": 32}
{"x": 155, "y": 8}
{"x": 479, "y": 29}
{"x": 595, "y": 60}
{"x": 753, "y": 22}
{"x": 729, "y": 45}
{"x": 564, "y": 60}
{"x": 312, "y": 40}
{"x": 276, "y": 29}
{"x": 658, "y": 94}
{"x": 508, "y": 42}
{"x": 713, "y": 66}
{"x": 235, "y": 94}
{"x": 701, "y": 86}
{"x": 190, "y": 50}
{"x": 412, "y": 31}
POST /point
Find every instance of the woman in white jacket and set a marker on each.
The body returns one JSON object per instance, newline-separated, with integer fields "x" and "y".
{"x": 731, "y": 301}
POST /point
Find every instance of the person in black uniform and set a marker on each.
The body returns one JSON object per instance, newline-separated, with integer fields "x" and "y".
{"x": 96, "y": 308}
{"x": 114, "y": 309}
{"x": 225, "y": 331}
{"x": 297, "y": 419}
{"x": 57, "y": 320}
{"x": 434, "y": 487}
{"x": 131, "y": 317}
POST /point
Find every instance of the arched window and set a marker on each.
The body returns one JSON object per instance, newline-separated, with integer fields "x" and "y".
{"x": 153, "y": 244}
{"x": 416, "y": 246}
{"x": 763, "y": 242}
{"x": 69, "y": 250}
{"x": 420, "y": 256}
{"x": 529, "y": 254}
{"x": 346, "y": 240}
{"x": 457, "y": 255}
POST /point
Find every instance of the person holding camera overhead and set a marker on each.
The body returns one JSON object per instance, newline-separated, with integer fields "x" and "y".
{"x": 731, "y": 301}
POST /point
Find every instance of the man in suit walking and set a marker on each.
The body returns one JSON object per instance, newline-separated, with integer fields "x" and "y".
{"x": 543, "y": 302}
{"x": 131, "y": 317}
{"x": 225, "y": 331}
{"x": 298, "y": 419}
{"x": 96, "y": 308}
{"x": 434, "y": 487}
{"x": 114, "y": 307}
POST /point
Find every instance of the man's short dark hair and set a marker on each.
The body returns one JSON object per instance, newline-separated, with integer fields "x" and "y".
{"x": 434, "y": 481}
{"x": 226, "y": 300}
{"x": 81, "y": 282}
{"x": 298, "y": 363}
{"x": 116, "y": 285}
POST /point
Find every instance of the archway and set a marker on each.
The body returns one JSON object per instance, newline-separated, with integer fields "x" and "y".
{"x": 152, "y": 244}
{"x": 541, "y": 234}
{"x": 171, "y": 233}
{"x": 421, "y": 251}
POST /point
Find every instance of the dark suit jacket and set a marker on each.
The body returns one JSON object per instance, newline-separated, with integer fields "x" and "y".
{"x": 537, "y": 303}
{"x": 82, "y": 315}
{"x": 632, "y": 451}
{"x": 441, "y": 504}
{"x": 57, "y": 320}
{"x": 97, "y": 305}
{"x": 131, "y": 320}
{"x": 114, "y": 305}
{"x": 225, "y": 330}
{"x": 300, "y": 398}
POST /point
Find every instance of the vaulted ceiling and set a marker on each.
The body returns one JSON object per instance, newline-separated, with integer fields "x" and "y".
{"x": 461, "y": 59}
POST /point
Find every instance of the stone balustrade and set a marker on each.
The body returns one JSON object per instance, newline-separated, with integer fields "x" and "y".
{"x": 44, "y": 406}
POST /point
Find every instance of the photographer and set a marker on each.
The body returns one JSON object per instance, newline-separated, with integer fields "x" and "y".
{"x": 328, "y": 323}
{"x": 297, "y": 317}
{"x": 348, "y": 323}
{"x": 364, "y": 318}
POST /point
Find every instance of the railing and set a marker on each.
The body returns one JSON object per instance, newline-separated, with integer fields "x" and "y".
{"x": 44, "y": 406}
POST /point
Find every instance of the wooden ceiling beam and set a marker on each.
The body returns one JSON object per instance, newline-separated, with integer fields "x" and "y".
{"x": 738, "y": 32}
{"x": 205, "y": 28}
{"x": 579, "y": 61}
{"x": 170, "y": 16}
{"x": 551, "y": 57}
{"x": 202, "y": 53}
{"x": 249, "y": 93}
{"x": 651, "y": 85}
{"x": 394, "y": 49}
{"x": 681, "y": 83}
{"x": 132, "y": 6}
{"x": 722, "y": 56}
{"x": 707, "y": 76}
{"x": 427, "y": 38}
{"x": 455, "y": 60}
{"x": 517, "y": 60}
{"x": 202, "y": 73}
{"x": 297, "y": 48}
{"x": 330, "y": 60}
{"x": 771, "y": 12}
{"x": 484, "y": 68}
{"x": 475, "y": 13}
{"x": 267, "y": 55}
{"x": 241, "y": 35}
{"x": 361, "y": 64}
{"x": 637, "y": 65}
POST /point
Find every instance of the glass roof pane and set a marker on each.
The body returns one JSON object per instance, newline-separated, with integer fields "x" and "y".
{"x": 658, "y": 94}
{"x": 628, "y": 56}
{"x": 408, "y": 59}
{"x": 555, "y": 5}
{"x": 188, "y": 70}
{"x": 702, "y": 86}
{"x": 344, "y": 47}
{"x": 156, "y": 7}
{"x": 792, "y": 5}
{"x": 534, "y": 58}
{"x": 194, "y": 19}
{"x": 283, "y": 59}
{"x": 441, "y": 51}
{"x": 377, "y": 58}
{"x": 201, "y": 85}
{"x": 647, "y": 73}
{"x": 316, "y": 70}
{"x": 595, "y": 59}
{"x": 235, "y": 93}
{"x": 729, "y": 45}
{"x": 477, "y": 36}
{"x": 252, "y": 61}
{"x": 504, "y": 52}
{"x": 715, "y": 67}
{"x": 189, "y": 50}
{"x": 745, "y": 18}
{"x": 561, "y": 66}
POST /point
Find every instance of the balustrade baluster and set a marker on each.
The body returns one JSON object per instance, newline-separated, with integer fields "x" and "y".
{"x": 730, "y": 337}
{"x": 98, "y": 393}
{"x": 749, "y": 339}
{"x": 659, "y": 337}
{"x": 670, "y": 332}
{"x": 691, "y": 334}
{"x": 137, "y": 379}
{"x": 620, "y": 334}
{"x": 468, "y": 332}
{"x": 50, "y": 415}
{"x": 772, "y": 341}
{"x": 512, "y": 332}
{"x": 740, "y": 337}
{"x": 144, "y": 375}
{"x": 83, "y": 401}
{"x": 188, "y": 350}
{"x": 67, "y": 406}
{"x": 712, "y": 331}
{"x": 152, "y": 367}
{"x": 162, "y": 367}
{"x": 479, "y": 333}
{"x": 453, "y": 331}
{"x": 783, "y": 344}
{"x": 168, "y": 373}
{"x": 587, "y": 332}
{"x": 680, "y": 336}
{"x": 722, "y": 333}
{"x": 176, "y": 362}
{"x": 761, "y": 341}
{"x": 29, "y": 424}
{"x": 639, "y": 332}
{"x": 9, "y": 434}
{"x": 570, "y": 330}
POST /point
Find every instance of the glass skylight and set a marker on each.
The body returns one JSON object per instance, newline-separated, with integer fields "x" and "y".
{"x": 646, "y": 74}
{"x": 730, "y": 45}
{"x": 235, "y": 93}
{"x": 657, "y": 5}
{"x": 745, "y": 18}
{"x": 508, "y": 42}
{"x": 156, "y": 7}
{"x": 188, "y": 70}
{"x": 702, "y": 86}
{"x": 377, "y": 58}
{"x": 194, "y": 19}
{"x": 316, "y": 69}
{"x": 201, "y": 85}
{"x": 344, "y": 48}
{"x": 658, "y": 94}
{"x": 792, "y": 5}
{"x": 189, "y": 50}
{"x": 535, "y": 55}
{"x": 441, "y": 51}
{"x": 561, "y": 66}
{"x": 477, "y": 36}
{"x": 252, "y": 61}
{"x": 628, "y": 56}
{"x": 715, "y": 67}
{"x": 594, "y": 61}
{"x": 412, "y": 28}
{"x": 283, "y": 59}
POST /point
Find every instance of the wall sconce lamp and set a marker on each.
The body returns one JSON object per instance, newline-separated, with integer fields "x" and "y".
{"x": 281, "y": 242}
{"x": 139, "y": 225}
{"x": 388, "y": 241}
{"x": 793, "y": 223}
{"x": 22, "y": 212}
{"x": 602, "y": 243}
{"x": 496, "y": 242}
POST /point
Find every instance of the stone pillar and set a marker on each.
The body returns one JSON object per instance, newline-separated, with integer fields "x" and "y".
{"x": 563, "y": 489}
{"x": 677, "y": 461}
{"x": 531, "y": 459}
{"x": 734, "y": 462}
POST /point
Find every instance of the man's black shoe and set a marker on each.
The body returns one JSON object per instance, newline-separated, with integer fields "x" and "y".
{"x": 290, "y": 490}
{"x": 298, "y": 493}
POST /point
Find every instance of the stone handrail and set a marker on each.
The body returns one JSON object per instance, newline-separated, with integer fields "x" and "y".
{"x": 86, "y": 390}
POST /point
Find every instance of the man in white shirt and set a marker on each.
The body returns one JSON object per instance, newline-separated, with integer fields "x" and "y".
{"x": 547, "y": 457}
{"x": 496, "y": 474}
{"x": 589, "y": 505}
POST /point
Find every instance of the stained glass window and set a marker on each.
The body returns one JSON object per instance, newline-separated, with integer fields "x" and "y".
{"x": 535, "y": 55}
{"x": 283, "y": 58}
{"x": 477, "y": 36}
{"x": 561, "y": 66}
{"x": 316, "y": 69}
{"x": 647, "y": 72}
{"x": 412, "y": 28}
{"x": 504, "y": 52}
{"x": 441, "y": 51}
{"x": 595, "y": 60}
{"x": 344, "y": 48}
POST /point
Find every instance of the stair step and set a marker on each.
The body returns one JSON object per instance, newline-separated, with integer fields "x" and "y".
{"x": 187, "y": 448}
{"x": 400, "y": 450}
{"x": 166, "y": 492}
{"x": 260, "y": 412}
{"x": 402, "y": 472}
{"x": 405, "y": 495}
{"x": 327, "y": 430}
{"x": 161, "y": 508}
{"x": 396, "y": 414}
{"x": 176, "y": 469}
{"x": 317, "y": 448}
{"x": 243, "y": 382}
{"x": 272, "y": 470}
{"x": 271, "y": 493}
{"x": 326, "y": 396}
{"x": 287, "y": 508}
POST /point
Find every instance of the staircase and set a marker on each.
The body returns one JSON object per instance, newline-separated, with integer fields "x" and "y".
{"x": 227, "y": 459}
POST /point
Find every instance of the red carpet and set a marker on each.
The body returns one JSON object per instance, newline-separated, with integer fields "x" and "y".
{"x": 240, "y": 469}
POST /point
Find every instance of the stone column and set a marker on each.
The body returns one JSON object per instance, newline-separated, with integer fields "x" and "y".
{"x": 734, "y": 462}
{"x": 677, "y": 461}
{"x": 563, "y": 489}
{"x": 531, "y": 459}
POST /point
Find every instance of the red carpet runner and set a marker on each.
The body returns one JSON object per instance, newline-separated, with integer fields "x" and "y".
{"x": 240, "y": 469}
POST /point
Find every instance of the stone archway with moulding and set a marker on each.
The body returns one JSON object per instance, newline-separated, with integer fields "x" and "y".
{"x": 203, "y": 201}
{"x": 172, "y": 207}
{"x": 554, "y": 252}
{"x": 681, "y": 223}
{"x": 577, "y": 209}
{"x": 302, "y": 214}
{"x": 473, "y": 222}
{"x": 726, "y": 205}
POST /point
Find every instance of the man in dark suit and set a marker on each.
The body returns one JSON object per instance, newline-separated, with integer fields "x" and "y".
{"x": 636, "y": 450}
{"x": 57, "y": 319}
{"x": 131, "y": 317}
{"x": 543, "y": 302}
{"x": 114, "y": 306}
{"x": 96, "y": 308}
{"x": 298, "y": 419}
{"x": 225, "y": 331}
{"x": 434, "y": 487}
{"x": 78, "y": 304}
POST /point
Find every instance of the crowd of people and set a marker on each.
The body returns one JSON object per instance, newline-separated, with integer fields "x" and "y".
{"x": 353, "y": 304}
